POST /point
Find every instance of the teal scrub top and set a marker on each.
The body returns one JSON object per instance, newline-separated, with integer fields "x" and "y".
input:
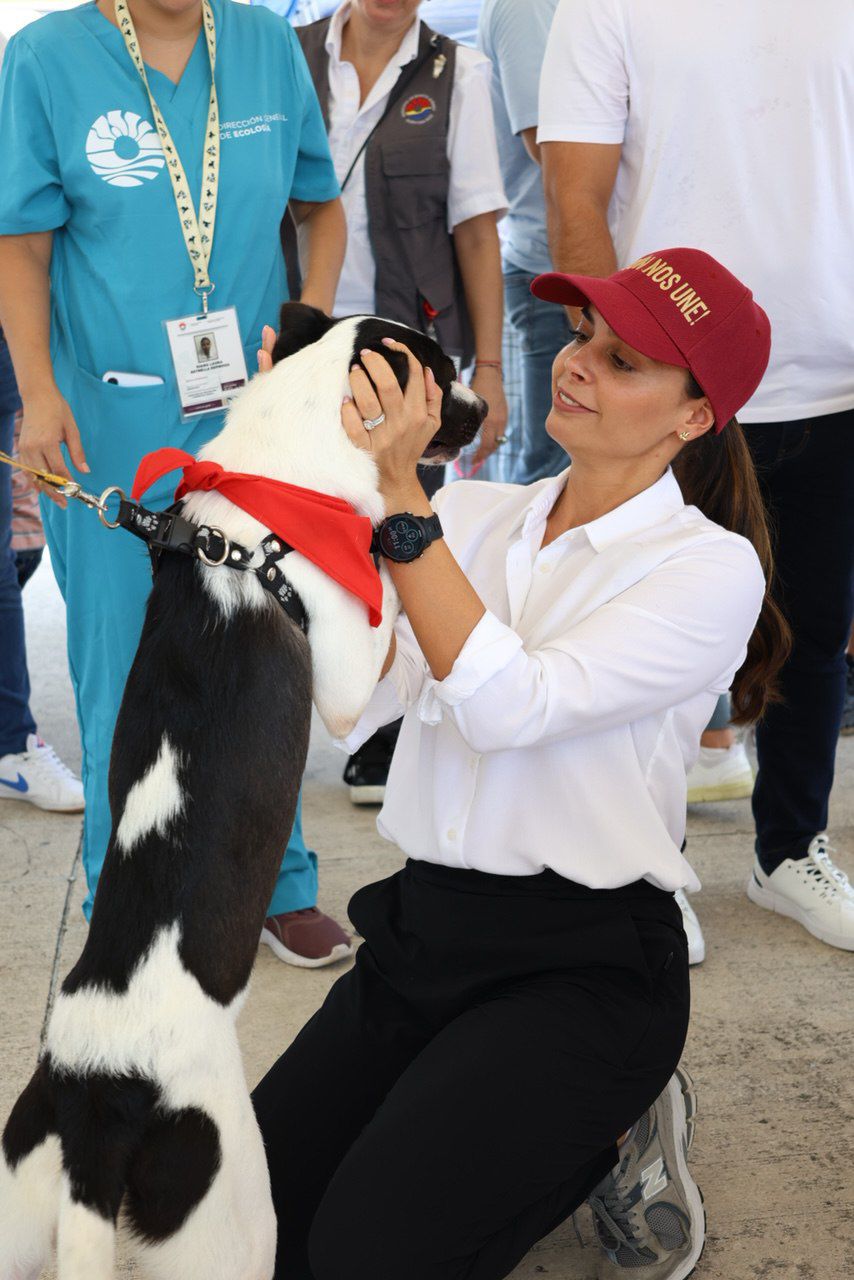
{"x": 81, "y": 158}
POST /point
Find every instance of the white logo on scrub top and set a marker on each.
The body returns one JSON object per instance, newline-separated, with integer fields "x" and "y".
{"x": 124, "y": 149}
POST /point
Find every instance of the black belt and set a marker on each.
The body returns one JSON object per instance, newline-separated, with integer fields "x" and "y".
{"x": 169, "y": 531}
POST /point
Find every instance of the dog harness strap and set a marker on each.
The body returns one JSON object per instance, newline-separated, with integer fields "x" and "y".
{"x": 162, "y": 530}
{"x": 325, "y": 529}
{"x": 169, "y": 531}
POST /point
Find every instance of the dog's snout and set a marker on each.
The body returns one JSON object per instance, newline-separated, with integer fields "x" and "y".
{"x": 481, "y": 409}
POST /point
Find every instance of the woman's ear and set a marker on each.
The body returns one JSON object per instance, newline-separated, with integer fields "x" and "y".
{"x": 700, "y": 418}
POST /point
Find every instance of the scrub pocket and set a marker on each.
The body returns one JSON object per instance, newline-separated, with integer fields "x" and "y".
{"x": 118, "y": 425}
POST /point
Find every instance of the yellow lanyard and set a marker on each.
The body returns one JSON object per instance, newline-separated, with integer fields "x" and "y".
{"x": 198, "y": 232}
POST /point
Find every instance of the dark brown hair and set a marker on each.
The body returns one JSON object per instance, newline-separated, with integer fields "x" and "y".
{"x": 716, "y": 475}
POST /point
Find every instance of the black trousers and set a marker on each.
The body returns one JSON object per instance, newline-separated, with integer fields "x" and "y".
{"x": 460, "y": 1091}
{"x": 806, "y": 470}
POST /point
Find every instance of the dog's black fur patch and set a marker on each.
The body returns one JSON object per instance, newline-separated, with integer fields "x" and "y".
{"x": 32, "y": 1119}
{"x": 206, "y": 683}
{"x": 300, "y": 325}
{"x": 171, "y": 1171}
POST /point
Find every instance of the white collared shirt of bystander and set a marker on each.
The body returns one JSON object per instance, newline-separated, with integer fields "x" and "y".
{"x": 475, "y": 174}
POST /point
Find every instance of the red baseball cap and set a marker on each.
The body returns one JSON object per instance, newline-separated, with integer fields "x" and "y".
{"x": 682, "y": 307}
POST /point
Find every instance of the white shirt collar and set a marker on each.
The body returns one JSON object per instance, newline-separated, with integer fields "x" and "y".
{"x": 407, "y": 49}
{"x": 645, "y": 509}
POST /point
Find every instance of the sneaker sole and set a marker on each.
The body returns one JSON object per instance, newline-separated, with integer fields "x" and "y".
{"x": 338, "y": 953}
{"x": 77, "y": 807}
{"x": 367, "y": 795}
{"x": 782, "y": 906}
{"x": 687, "y": 1101}
{"x": 738, "y": 790}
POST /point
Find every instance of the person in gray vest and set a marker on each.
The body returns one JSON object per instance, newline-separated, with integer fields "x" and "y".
{"x": 412, "y": 138}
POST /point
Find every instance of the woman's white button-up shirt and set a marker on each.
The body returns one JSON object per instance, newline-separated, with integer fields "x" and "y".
{"x": 563, "y": 734}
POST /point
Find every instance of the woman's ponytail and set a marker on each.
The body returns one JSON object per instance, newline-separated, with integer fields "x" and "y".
{"x": 716, "y": 475}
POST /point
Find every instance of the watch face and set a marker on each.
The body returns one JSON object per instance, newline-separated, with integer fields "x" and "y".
{"x": 401, "y": 538}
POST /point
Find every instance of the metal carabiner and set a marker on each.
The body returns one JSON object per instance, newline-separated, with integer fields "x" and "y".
{"x": 101, "y": 504}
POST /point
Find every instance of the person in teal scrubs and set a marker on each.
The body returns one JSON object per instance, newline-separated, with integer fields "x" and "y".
{"x": 93, "y": 261}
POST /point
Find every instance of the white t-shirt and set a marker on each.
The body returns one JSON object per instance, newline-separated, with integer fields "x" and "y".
{"x": 475, "y": 184}
{"x": 564, "y": 732}
{"x": 736, "y": 120}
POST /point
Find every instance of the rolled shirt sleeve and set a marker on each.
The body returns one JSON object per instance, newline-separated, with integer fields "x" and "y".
{"x": 584, "y": 84}
{"x": 476, "y": 185}
{"x": 31, "y": 191}
{"x": 653, "y": 646}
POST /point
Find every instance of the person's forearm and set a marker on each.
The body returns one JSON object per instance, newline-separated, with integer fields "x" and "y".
{"x": 479, "y": 255}
{"x": 579, "y": 238}
{"x": 440, "y": 603}
{"x": 25, "y": 308}
{"x": 325, "y": 229}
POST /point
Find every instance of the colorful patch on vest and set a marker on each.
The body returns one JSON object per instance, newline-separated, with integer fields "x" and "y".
{"x": 418, "y": 110}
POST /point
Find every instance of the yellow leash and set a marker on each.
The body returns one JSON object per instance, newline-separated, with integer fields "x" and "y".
{"x": 62, "y": 484}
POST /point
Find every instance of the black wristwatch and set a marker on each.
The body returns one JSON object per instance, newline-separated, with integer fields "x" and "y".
{"x": 404, "y": 537}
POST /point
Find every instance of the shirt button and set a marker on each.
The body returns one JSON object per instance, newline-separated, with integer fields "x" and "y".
{"x": 545, "y": 568}
{"x": 452, "y": 833}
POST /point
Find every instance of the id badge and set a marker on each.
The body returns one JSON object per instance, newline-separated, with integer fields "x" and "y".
{"x": 208, "y": 359}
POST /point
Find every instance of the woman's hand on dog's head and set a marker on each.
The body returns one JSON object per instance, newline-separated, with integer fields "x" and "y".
{"x": 265, "y": 354}
{"x": 411, "y": 420}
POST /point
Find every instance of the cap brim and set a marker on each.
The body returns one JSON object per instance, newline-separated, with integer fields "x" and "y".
{"x": 619, "y": 308}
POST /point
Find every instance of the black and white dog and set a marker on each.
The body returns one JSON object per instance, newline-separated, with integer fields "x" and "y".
{"x": 139, "y": 1106}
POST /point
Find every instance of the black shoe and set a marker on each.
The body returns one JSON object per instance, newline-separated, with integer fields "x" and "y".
{"x": 366, "y": 772}
{"x": 848, "y": 709}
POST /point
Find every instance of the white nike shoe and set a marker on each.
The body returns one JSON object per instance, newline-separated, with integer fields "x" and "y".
{"x": 810, "y": 890}
{"x": 39, "y": 776}
{"x": 721, "y": 773}
{"x": 693, "y": 932}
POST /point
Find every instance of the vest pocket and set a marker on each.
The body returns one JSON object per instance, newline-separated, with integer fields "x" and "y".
{"x": 416, "y": 176}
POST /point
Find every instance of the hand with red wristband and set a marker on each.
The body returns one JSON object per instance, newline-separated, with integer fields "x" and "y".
{"x": 487, "y": 381}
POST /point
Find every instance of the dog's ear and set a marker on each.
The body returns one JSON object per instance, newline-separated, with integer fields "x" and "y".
{"x": 299, "y": 326}
{"x": 397, "y": 360}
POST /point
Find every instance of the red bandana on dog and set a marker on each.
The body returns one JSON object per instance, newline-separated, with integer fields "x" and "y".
{"x": 325, "y": 530}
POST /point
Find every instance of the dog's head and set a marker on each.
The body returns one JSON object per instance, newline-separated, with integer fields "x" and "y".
{"x": 463, "y": 410}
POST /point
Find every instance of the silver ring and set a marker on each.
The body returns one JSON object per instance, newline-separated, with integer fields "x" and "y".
{"x": 102, "y": 506}
{"x": 501, "y": 439}
{"x": 370, "y": 423}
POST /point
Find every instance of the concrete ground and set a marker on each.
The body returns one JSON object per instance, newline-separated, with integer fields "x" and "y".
{"x": 770, "y": 1045}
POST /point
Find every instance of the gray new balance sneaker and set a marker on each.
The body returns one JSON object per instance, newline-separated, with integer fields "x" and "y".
{"x": 648, "y": 1211}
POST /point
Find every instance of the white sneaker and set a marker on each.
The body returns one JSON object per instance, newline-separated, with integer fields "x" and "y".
{"x": 693, "y": 932}
{"x": 721, "y": 773}
{"x": 39, "y": 776}
{"x": 810, "y": 890}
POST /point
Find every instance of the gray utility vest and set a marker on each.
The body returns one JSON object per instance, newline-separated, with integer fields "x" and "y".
{"x": 407, "y": 176}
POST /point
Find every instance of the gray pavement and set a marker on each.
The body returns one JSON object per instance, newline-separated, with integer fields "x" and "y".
{"x": 770, "y": 1045}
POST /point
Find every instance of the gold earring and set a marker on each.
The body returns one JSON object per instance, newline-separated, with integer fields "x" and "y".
{"x": 684, "y": 435}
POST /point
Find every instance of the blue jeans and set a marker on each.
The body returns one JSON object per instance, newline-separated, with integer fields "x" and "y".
{"x": 542, "y": 329}
{"x": 16, "y": 721}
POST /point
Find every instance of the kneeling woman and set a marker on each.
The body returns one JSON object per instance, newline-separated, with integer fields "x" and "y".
{"x": 506, "y": 1045}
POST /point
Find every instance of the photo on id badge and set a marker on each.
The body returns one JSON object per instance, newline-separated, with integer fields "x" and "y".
{"x": 207, "y": 355}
